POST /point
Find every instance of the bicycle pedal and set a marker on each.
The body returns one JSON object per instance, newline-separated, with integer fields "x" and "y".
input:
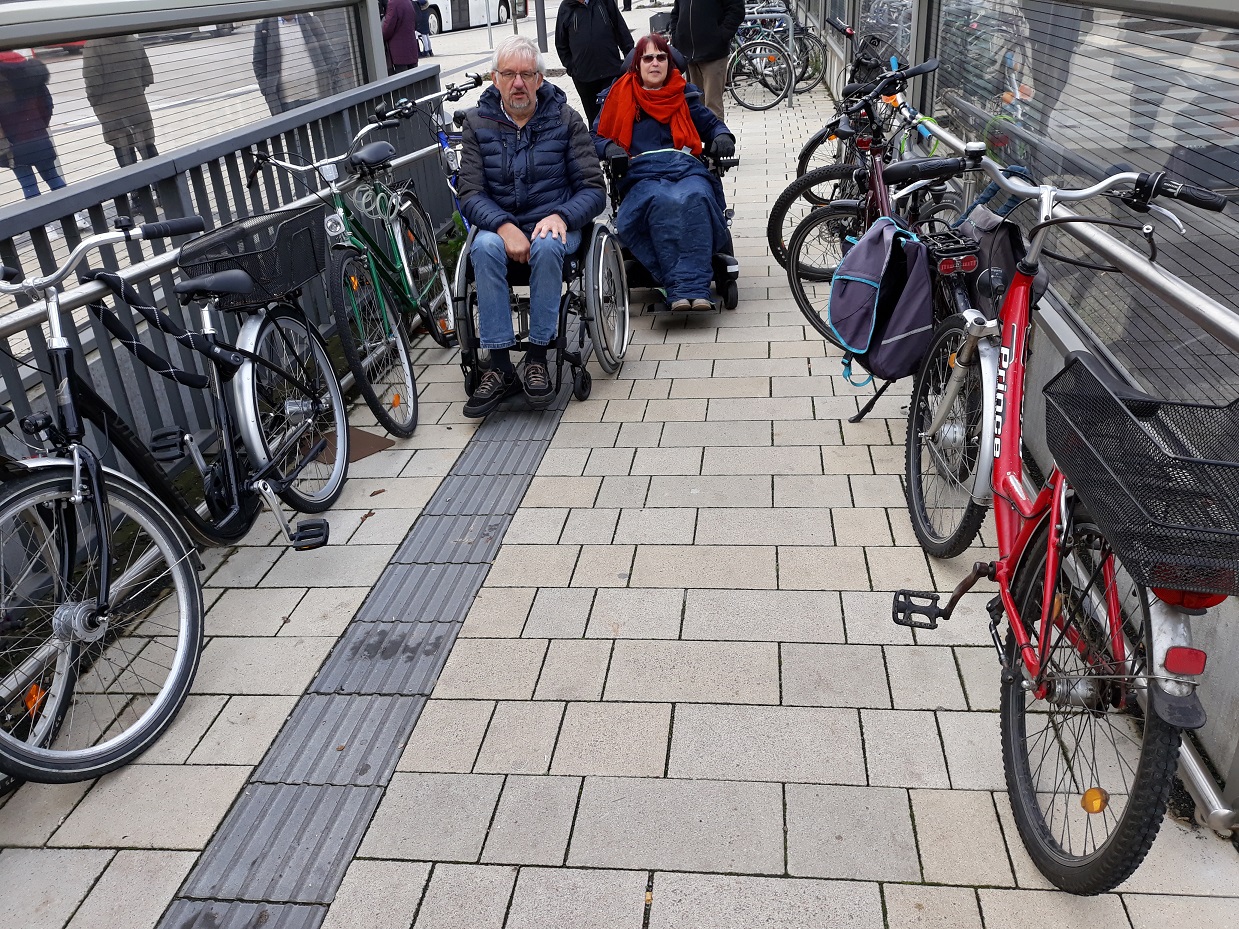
{"x": 909, "y": 604}
{"x": 168, "y": 444}
{"x": 310, "y": 534}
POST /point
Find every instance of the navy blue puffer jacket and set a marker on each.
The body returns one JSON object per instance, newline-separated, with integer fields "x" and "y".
{"x": 521, "y": 176}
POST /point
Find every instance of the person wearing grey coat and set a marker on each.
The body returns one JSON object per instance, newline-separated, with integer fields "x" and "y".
{"x": 299, "y": 74}
{"x": 117, "y": 72}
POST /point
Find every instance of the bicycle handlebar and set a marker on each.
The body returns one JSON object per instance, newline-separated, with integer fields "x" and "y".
{"x": 1200, "y": 197}
{"x": 185, "y": 225}
{"x": 840, "y": 27}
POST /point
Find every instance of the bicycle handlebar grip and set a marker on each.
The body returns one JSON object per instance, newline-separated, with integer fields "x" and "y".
{"x": 839, "y": 26}
{"x": 924, "y": 169}
{"x": 1200, "y": 197}
{"x": 185, "y": 225}
{"x": 9, "y": 275}
{"x": 925, "y": 67}
{"x": 389, "y": 123}
{"x": 858, "y": 90}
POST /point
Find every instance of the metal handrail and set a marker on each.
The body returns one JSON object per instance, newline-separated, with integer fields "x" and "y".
{"x": 36, "y": 313}
{"x": 1217, "y": 319}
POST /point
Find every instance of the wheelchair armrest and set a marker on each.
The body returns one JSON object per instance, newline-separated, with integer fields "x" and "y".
{"x": 617, "y": 165}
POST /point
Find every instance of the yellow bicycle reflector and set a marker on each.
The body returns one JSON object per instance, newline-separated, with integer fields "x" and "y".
{"x": 1095, "y": 800}
{"x": 353, "y": 280}
{"x": 951, "y": 361}
{"x": 395, "y": 401}
{"x": 35, "y": 695}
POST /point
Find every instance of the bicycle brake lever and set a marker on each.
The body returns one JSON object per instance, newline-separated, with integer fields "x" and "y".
{"x": 1165, "y": 212}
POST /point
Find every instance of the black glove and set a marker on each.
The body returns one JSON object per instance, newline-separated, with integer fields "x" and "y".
{"x": 723, "y": 146}
{"x": 615, "y": 150}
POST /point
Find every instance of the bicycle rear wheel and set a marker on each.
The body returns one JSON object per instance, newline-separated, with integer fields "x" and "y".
{"x": 293, "y": 413}
{"x": 428, "y": 278}
{"x": 811, "y": 61}
{"x": 373, "y": 337}
{"x": 1088, "y": 773}
{"x": 813, "y": 253}
{"x": 83, "y": 694}
{"x": 939, "y": 468}
{"x": 818, "y": 187}
{"x": 759, "y": 74}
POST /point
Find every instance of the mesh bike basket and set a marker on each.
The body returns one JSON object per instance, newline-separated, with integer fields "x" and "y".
{"x": 280, "y": 251}
{"x": 874, "y": 46}
{"x": 1160, "y": 479}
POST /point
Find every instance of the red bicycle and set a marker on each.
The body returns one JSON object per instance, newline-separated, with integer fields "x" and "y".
{"x": 1099, "y": 570}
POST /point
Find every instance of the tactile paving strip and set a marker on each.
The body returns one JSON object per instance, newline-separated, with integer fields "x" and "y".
{"x": 293, "y": 832}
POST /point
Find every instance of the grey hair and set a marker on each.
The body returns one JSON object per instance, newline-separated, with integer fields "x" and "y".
{"x": 519, "y": 46}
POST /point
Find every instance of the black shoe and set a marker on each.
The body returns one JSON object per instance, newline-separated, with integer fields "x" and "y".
{"x": 538, "y": 389}
{"x": 494, "y": 389}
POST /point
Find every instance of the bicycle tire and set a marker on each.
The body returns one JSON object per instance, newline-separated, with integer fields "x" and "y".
{"x": 427, "y": 276}
{"x": 1083, "y": 862}
{"x": 759, "y": 74}
{"x": 938, "y": 471}
{"x": 374, "y": 340}
{"x": 811, "y": 58}
{"x": 824, "y": 149}
{"x": 94, "y": 694}
{"x": 274, "y": 404}
{"x": 793, "y": 204}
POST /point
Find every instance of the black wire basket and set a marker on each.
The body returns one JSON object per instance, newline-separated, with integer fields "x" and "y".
{"x": 279, "y": 250}
{"x": 875, "y": 47}
{"x": 1160, "y": 479}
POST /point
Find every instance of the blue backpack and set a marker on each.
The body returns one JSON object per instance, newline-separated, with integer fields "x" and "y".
{"x": 881, "y": 303}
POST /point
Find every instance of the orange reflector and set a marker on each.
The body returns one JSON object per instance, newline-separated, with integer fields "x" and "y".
{"x": 35, "y": 695}
{"x": 1183, "y": 660}
{"x": 353, "y": 280}
{"x": 951, "y": 361}
{"x": 1095, "y": 800}
{"x": 395, "y": 401}
{"x": 890, "y": 99}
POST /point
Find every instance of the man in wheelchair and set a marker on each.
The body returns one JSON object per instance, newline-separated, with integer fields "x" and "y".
{"x": 529, "y": 183}
{"x": 672, "y": 216}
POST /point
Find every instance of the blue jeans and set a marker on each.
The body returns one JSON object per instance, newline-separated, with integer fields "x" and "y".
{"x": 546, "y": 270}
{"x": 30, "y": 186}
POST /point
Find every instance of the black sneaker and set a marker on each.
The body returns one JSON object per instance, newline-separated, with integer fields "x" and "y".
{"x": 494, "y": 389}
{"x": 538, "y": 389}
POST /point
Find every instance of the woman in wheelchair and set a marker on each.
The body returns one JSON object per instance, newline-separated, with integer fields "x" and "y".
{"x": 672, "y": 216}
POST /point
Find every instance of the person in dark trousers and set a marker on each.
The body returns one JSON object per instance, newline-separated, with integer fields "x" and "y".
{"x": 529, "y": 184}
{"x": 116, "y": 73}
{"x": 25, "y": 114}
{"x": 400, "y": 35}
{"x": 702, "y": 30}
{"x": 423, "y": 28}
{"x": 592, "y": 40}
{"x": 294, "y": 61}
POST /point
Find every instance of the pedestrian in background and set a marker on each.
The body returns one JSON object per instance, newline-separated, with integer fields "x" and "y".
{"x": 25, "y": 114}
{"x": 293, "y": 61}
{"x": 702, "y": 30}
{"x": 400, "y": 35}
{"x": 423, "y": 28}
{"x": 592, "y": 39}
{"x": 117, "y": 72}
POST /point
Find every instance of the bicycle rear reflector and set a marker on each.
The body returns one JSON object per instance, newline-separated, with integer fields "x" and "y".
{"x": 1183, "y": 660}
{"x": 1188, "y": 599}
{"x": 954, "y": 265}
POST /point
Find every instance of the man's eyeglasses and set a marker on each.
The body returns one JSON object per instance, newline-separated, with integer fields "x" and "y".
{"x": 526, "y": 76}
{"x": 660, "y": 56}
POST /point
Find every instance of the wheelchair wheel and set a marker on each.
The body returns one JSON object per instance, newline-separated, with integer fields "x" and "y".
{"x": 582, "y": 384}
{"x": 606, "y": 296}
{"x": 731, "y": 295}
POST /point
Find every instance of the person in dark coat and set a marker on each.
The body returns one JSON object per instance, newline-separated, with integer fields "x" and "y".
{"x": 25, "y": 114}
{"x": 294, "y": 61}
{"x": 672, "y": 217}
{"x": 592, "y": 39}
{"x": 702, "y": 30}
{"x": 400, "y": 35}
{"x": 529, "y": 184}
{"x": 423, "y": 28}
{"x": 117, "y": 72}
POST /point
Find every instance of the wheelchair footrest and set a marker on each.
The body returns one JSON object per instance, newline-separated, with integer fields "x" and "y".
{"x": 911, "y": 604}
{"x": 168, "y": 444}
{"x": 310, "y": 534}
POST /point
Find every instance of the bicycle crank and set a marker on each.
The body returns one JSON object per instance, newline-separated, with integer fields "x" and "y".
{"x": 909, "y": 604}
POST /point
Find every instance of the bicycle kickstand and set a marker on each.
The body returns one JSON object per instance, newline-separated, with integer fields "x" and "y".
{"x": 909, "y": 604}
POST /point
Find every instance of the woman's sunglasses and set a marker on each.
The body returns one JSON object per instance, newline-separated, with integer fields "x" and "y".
{"x": 660, "y": 56}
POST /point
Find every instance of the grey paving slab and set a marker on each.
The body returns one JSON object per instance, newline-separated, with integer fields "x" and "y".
{"x": 1023, "y": 909}
{"x": 35, "y": 811}
{"x": 763, "y": 615}
{"x": 902, "y": 749}
{"x": 533, "y": 566}
{"x": 252, "y": 612}
{"x": 338, "y": 739}
{"x": 453, "y": 540}
{"x": 134, "y": 891}
{"x": 860, "y": 833}
{"x": 924, "y": 677}
{"x": 1185, "y": 859}
{"x": 493, "y": 458}
{"x": 656, "y": 526}
{"x": 423, "y": 593}
{"x": 325, "y": 611}
{"x": 533, "y": 821}
{"x": 232, "y": 914}
{"x": 679, "y": 825}
{"x": 537, "y": 526}
{"x": 693, "y": 672}
{"x": 559, "y": 613}
{"x": 778, "y": 743}
{"x": 563, "y": 898}
{"x": 464, "y": 896}
{"x": 433, "y": 817}
{"x": 520, "y": 738}
{"x": 284, "y": 843}
{"x": 468, "y": 494}
{"x": 973, "y": 750}
{"x": 573, "y": 670}
{"x": 447, "y": 736}
{"x": 730, "y": 901}
{"x": 916, "y": 906}
{"x": 1148, "y": 911}
{"x": 243, "y": 730}
{"x": 590, "y": 527}
{"x": 324, "y": 567}
{"x": 738, "y": 566}
{"x": 378, "y": 893}
{"x": 386, "y": 658}
{"x": 613, "y": 738}
{"x": 255, "y": 665}
{"x": 953, "y": 855}
{"x": 44, "y": 886}
{"x": 636, "y": 613}
{"x": 498, "y": 612}
{"x": 867, "y": 620}
{"x": 492, "y": 669}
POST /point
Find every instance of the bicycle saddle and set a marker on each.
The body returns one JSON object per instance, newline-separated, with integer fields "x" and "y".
{"x": 234, "y": 281}
{"x": 372, "y": 155}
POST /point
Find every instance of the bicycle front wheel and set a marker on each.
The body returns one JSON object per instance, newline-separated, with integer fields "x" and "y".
{"x": 818, "y": 187}
{"x": 759, "y": 74}
{"x": 427, "y": 276}
{"x": 294, "y": 416}
{"x": 939, "y": 468}
{"x": 1088, "y": 765}
{"x": 83, "y": 694}
{"x": 373, "y": 337}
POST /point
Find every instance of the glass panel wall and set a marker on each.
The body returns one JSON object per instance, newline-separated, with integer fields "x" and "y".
{"x": 73, "y": 110}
